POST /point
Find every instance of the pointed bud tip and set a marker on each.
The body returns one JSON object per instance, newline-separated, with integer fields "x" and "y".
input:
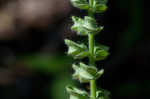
{"x": 101, "y": 72}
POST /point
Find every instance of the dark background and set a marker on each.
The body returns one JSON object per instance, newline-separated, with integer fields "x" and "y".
{"x": 33, "y": 61}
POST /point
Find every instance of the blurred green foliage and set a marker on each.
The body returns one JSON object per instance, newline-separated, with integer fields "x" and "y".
{"x": 47, "y": 63}
{"x": 56, "y": 65}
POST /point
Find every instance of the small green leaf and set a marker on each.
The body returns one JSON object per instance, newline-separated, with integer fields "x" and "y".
{"x": 102, "y": 94}
{"x": 82, "y": 75}
{"x": 91, "y": 25}
{"x": 78, "y": 26}
{"x": 82, "y": 55}
{"x": 76, "y": 93}
{"x": 100, "y": 52}
{"x": 81, "y": 4}
{"x": 85, "y": 26}
{"x": 78, "y": 51}
{"x": 85, "y": 73}
{"x": 74, "y": 44}
{"x": 103, "y": 47}
{"x": 90, "y": 69}
{"x": 99, "y": 6}
{"x": 101, "y": 55}
{"x": 99, "y": 73}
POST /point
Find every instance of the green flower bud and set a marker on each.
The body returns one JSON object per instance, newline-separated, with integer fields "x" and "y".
{"x": 100, "y": 52}
{"x": 91, "y": 25}
{"x": 81, "y": 4}
{"x": 85, "y": 26}
{"x": 86, "y": 73}
{"x": 77, "y": 51}
{"x": 99, "y": 6}
{"x": 76, "y": 93}
{"x": 102, "y": 94}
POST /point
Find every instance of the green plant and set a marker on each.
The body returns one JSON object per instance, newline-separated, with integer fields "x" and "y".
{"x": 87, "y": 26}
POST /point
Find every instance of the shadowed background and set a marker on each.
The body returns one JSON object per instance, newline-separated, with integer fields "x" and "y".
{"x": 33, "y": 61}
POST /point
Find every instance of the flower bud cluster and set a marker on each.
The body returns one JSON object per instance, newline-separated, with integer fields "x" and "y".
{"x": 83, "y": 27}
{"x": 99, "y": 6}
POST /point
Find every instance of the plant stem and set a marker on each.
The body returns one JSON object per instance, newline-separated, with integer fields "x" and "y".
{"x": 91, "y": 2}
{"x": 91, "y": 50}
{"x": 90, "y": 13}
{"x": 92, "y": 62}
{"x": 93, "y": 89}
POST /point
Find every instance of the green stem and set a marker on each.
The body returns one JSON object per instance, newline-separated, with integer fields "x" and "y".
{"x": 91, "y": 50}
{"x": 92, "y": 62}
{"x": 91, "y": 2}
{"x": 93, "y": 89}
{"x": 90, "y": 13}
